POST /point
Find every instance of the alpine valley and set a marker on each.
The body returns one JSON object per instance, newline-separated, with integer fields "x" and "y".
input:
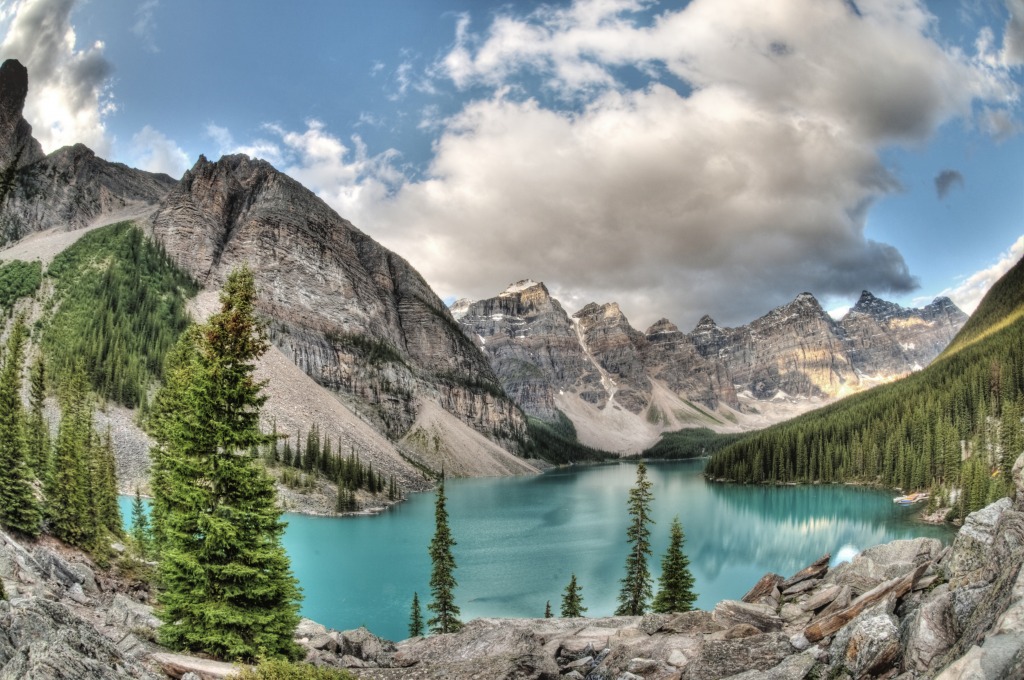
{"x": 375, "y": 388}
{"x": 621, "y": 387}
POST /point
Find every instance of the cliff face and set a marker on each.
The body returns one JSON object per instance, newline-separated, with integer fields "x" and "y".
{"x": 884, "y": 337}
{"x": 68, "y": 189}
{"x": 727, "y": 378}
{"x": 354, "y": 316}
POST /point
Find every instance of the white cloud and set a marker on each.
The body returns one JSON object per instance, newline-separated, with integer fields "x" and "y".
{"x": 154, "y": 152}
{"x": 738, "y": 192}
{"x": 969, "y": 292}
{"x": 145, "y": 24}
{"x": 727, "y": 195}
{"x": 68, "y": 98}
{"x": 1013, "y": 38}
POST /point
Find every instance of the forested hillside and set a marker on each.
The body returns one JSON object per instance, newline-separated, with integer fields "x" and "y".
{"x": 119, "y": 307}
{"x": 954, "y": 427}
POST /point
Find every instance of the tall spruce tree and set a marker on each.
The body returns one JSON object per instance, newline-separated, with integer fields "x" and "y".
{"x": 547, "y": 610}
{"x": 415, "y": 617}
{"x": 227, "y": 586}
{"x": 442, "y": 573}
{"x": 19, "y": 509}
{"x": 37, "y": 431}
{"x": 68, "y": 487}
{"x": 636, "y": 586}
{"x": 675, "y": 585}
{"x": 572, "y": 600}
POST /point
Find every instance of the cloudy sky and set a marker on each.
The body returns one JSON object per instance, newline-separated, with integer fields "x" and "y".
{"x": 681, "y": 158}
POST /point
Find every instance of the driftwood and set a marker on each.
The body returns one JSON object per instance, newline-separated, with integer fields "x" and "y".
{"x": 897, "y": 587}
{"x": 177, "y": 665}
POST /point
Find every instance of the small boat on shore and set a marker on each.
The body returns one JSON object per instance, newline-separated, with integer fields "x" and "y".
{"x": 912, "y": 498}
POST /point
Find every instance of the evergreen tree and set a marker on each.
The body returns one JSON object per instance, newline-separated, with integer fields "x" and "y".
{"x": 227, "y": 586}
{"x": 415, "y": 617}
{"x": 636, "y": 586}
{"x": 68, "y": 488}
{"x": 547, "y": 610}
{"x": 18, "y": 506}
{"x": 140, "y": 526}
{"x": 37, "y": 431}
{"x": 675, "y": 586}
{"x": 105, "y": 486}
{"x": 572, "y": 600}
{"x": 442, "y": 577}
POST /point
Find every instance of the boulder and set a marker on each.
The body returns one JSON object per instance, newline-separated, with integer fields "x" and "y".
{"x": 795, "y": 667}
{"x": 869, "y": 646}
{"x": 125, "y": 612}
{"x": 815, "y": 570}
{"x": 43, "y": 639}
{"x": 729, "y": 613}
{"x": 884, "y": 562}
{"x": 929, "y": 631}
{"x": 181, "y": 666}
{"x": 722, "y": 658}
{"x": 971, "y": 558}
{"x": 821, "y": 599}
{"x": 763, "y": 588}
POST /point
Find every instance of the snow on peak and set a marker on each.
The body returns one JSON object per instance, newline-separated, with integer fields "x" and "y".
{"x": 460, "y": 308}
{"x": 518, "y": 287}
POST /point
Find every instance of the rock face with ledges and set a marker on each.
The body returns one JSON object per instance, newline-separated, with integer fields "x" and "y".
{"x": 354, "y": 316}
{"x": 885, "y": 338}
{"x": 794, "y": 354}
{"x": 531, "y": 345}
{"x": 67, "y": 189}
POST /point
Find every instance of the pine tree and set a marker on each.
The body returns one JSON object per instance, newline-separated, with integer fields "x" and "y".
{"x": 18, "y": 506}
{"x": 37, "y": 431}
{"x": 415, "y": 617}
{"x": 675, "y": 586}
{"x": 572, "y": 600}
{"x": 636, "y": 586}
{"x": 442, "y": 577}
{"x": 140, "y": 526}
{"x": 547, "y": 610}
{"x": 68, "y": 488}
{"x": 227, "y": 584}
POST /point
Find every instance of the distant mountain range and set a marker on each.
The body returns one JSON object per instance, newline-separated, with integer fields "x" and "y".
{"x": 621, "y": 387}
{"x": 367, "y": 352}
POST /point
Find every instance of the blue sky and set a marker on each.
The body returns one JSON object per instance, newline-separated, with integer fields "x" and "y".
{"x": 681, "y": 158}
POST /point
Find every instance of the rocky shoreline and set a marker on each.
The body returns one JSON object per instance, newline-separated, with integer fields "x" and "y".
{"x": 904, "y": 610}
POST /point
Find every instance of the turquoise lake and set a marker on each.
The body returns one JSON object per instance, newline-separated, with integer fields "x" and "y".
{"x": 520, "y": 539}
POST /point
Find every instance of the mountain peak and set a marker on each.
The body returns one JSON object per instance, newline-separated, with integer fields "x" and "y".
{"x": 876, "y": 307}
{"x": 17, "y": 145}
{"x": 661, "y": 327}
{"x": 521, "y": 286}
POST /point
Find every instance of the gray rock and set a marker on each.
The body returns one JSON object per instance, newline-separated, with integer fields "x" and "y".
{"x": 763, "y": 588}
{"x": 126, "y": 613}
{"x": 929, "y": 631}
{"x": 821, "y": 599}
{"x": 45, "y": 640}
{"x": 308, "y": 628}
{"x": 677, "y": 658}
{"x": 722, "y": 658}
{"x": 799, "y": 642}
{"x": 76, "y": 593}
{"x": 642, "y": 666}
{"x": 364, "y": 645}
{"x": 884, "y": 562}
{"x": 729, "y": 613}
{"x": 795, "y": 667}
{"x": 815, "y": 570}
{"x": 868, "y": 645}
{"x": 971, "y": 559}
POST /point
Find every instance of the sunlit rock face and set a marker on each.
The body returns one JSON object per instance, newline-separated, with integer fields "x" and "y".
{"x": 794, "y": 352}
{"x": 354, "y": 316}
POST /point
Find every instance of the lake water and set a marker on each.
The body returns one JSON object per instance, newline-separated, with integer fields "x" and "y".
{"x": 520, "y": 539}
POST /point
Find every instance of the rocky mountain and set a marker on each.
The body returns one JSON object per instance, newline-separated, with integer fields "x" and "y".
{"x": 622, "y": 386}
{"x": 383, "y": 368}
{"x": 352, "y": 315}
{"x": 67, "y": 189}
